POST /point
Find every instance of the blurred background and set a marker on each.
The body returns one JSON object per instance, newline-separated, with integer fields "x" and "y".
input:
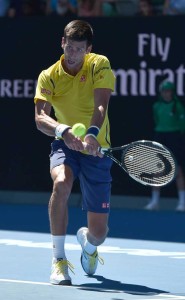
{"x": 144, "y": 41}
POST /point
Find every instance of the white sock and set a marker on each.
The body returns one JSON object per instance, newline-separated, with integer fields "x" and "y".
{"x": 155, "y": 196}
{"x": 181, "y": 194}
{"x": 58, "y": 246}
{"x": 89, "y": 248}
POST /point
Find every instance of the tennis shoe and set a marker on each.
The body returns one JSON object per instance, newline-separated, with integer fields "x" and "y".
{"x": 180, "y": 207}
{"x": 89, "y": 262}
{"x": 59, "y": 272}
{"x": 152, "y": 206}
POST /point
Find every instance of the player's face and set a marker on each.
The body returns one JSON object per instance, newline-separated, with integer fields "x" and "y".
{"x": 74, "y": 53}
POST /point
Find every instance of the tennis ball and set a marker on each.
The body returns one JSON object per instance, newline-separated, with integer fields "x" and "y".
{"x": 78, "y": 129}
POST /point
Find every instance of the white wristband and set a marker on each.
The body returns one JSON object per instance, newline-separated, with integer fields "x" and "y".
{"x": 60, "y": 129}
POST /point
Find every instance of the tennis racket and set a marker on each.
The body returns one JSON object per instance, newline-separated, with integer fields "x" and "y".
{"x": 147, "y": 162}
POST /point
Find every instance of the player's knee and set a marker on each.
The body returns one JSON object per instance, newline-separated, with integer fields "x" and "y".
{"x": 98, "y": 237}
{"x": 61, "y": 187}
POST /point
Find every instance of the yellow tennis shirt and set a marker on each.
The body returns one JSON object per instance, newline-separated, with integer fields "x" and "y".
{"x": 72, "y": 97}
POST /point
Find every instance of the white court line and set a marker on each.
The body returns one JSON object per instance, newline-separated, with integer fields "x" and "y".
{"x": 49, "y": 284}
{"x": 167, "y": 297}
{"x": 24, "y": 281}
{"x": 102, "y": 249}
{"x": 163, "y": 296}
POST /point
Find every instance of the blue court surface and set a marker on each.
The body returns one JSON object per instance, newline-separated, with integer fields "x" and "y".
{"x": 133, "y": 269}
{"x": 144, "y": 256}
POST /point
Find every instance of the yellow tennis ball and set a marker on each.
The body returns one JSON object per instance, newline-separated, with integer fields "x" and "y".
{"x": 78, "y": 129}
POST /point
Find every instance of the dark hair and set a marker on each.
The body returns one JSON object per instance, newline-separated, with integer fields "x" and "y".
{"x": 79, "y": 30}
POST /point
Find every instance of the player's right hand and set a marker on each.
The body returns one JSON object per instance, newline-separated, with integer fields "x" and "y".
{"x": 72, "y": 142}
{"x": 91, "y": 145}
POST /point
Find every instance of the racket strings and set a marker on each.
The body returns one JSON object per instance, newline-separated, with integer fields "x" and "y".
{"x": 149, "y": 163}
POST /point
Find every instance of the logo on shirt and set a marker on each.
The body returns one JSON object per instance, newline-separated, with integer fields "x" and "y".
{"x": 83, "y": 78}
{"x": 45, "y": 91}
{"x": 101, "y": 69}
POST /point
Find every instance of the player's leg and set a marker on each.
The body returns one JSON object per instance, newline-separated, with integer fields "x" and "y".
{"x": 63, "y": 170}
{"x": 155, "y": 198}
{"x": 90, "y": 238}
{"x": 58, "y": 205}
{"x": 97, "y": 227}
{"x": 180, "y": 183}
{"x": 95, "y": 181}
{"x": 178, "y": 151}
{"x": 154, "y": 201}
{"x": 58, "y": 215}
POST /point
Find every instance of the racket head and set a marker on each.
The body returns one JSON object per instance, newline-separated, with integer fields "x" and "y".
{"x": 149, "y": 162}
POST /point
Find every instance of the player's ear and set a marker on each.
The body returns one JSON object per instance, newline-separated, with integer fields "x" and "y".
{"x": 89, "y": 49}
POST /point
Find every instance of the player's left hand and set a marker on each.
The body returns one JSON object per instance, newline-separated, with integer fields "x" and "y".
{"x": 92, "y": 146}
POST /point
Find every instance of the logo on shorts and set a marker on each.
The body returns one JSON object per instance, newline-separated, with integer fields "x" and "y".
{"x": 105, "y": 205}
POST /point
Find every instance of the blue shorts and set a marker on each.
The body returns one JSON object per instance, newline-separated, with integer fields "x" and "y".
{"x": 93, "y": 173}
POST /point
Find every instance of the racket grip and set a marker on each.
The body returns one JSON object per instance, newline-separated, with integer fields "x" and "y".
{"x": 100, "y": 149}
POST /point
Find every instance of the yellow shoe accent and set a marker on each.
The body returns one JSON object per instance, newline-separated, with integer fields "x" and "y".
{"x": 59, "y": 272}
{"x": 95, "y": 256}
{"x": 90, "y": 262}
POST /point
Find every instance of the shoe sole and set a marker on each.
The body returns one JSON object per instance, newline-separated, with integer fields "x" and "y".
{"x": 63, "y": 282}
{"x": 83, "y": 228}
{"x": 89, "y": 274}
{"x": 153, "y": 208}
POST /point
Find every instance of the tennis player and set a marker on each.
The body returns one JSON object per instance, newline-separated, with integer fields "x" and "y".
{"x": 78, "y": 88}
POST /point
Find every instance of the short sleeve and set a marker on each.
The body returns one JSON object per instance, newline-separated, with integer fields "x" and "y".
{"x": 44, "y": 88}
{"x": 103, "y": 76}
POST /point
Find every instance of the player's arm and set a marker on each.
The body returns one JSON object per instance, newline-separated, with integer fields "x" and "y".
{"x": 101, "y": 101}
{"x": 44, "y": 122}
{"x": 48, "y": 125}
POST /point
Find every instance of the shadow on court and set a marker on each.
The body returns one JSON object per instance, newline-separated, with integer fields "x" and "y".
{"x": 112, "y": 286}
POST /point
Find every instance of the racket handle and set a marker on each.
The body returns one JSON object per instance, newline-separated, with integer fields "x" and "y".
{"x": 100, "y": 149}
